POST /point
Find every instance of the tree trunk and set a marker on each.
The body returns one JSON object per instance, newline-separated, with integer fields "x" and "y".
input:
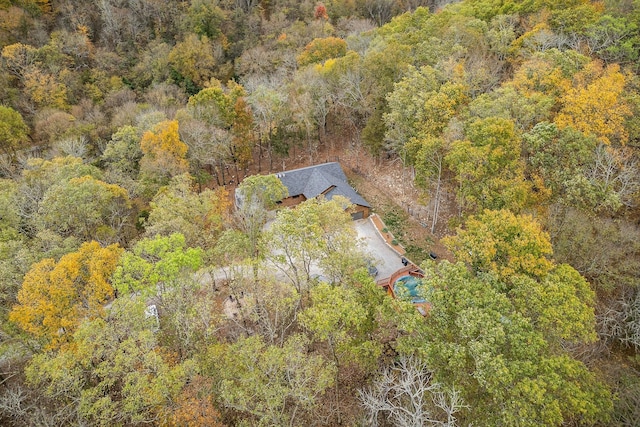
{"x": 436, "y": 202}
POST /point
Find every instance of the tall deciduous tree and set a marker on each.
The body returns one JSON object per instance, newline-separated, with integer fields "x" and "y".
{"x": 86, "y": 208}
{"x": 195, "y": 59}
{"x": 317, "y": 233}
{"x": 488, "y": 166}
{"x": 556, "y": 298}
{"x": 56, "y": 296}
{"x": 269, "y": 383}
{"x": 13, "y": 130}
{"x": 421, "y": 105}
{"x": 218, "y": 126}
{"x": 199, "y": 217}
{"x": 272, "y": 309}
{"x": 254, "y": 197}
{"x": 595, "y": 105}
{"x": 39, "y": 176}
{"x": 164, "y": 154}
{"x": 504, "y": 244}
{"x": 319, "y": 50}
{"x": 123, "y": 153}
{"x": 346, "y": 317}
{"x": 269, "y": 107}
{"x": 508, "y": 367}
{"x": 155, "y": 264}
{"x": 116, "y": 373}
{"x": 339, "y": 317}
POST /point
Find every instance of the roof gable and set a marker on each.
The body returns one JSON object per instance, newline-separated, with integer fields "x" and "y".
{"x": 315, "y": 180}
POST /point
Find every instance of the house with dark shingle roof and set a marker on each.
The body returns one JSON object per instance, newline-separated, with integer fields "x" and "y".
{"x": 327, "y": 179}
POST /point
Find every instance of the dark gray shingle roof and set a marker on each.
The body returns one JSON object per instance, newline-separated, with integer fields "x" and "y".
{"x": 314, "y": 180}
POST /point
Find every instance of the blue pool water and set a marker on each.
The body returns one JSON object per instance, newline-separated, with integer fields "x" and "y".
{"x": 408, "y": 286}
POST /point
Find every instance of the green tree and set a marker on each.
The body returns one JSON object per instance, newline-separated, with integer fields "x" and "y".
{"x": 15, "y": 257}
{"x": 86, "y": 208}
{"x": 514, "y": 249}
{"x": 38, "y": 177}
{"x": 382, "y": 67}
{"x": 316, "y": 233}
{"x": 560, "y": 158}
{"x": 194, "y": 60}
{"x": 346, "y": 318}
{"x": 177, "y": 208}
{"x": 525, "y": 108}
{"x": 9, "y": 214}
{"x": 339, "y": 317}
{"x": 579, "y": 171}
{"x": 507, "y": 368}
{"x": 423, "y": 112}
{"x": 13, "y": 130}
{"x": 488, "y": 166}
{"x": 615, "y": 39}
{"x": 406, "y": 105}
{"x": 115, "y": 374}
{"x": 168, "y": 270}
{"x": 269, "y": 383}
{"x": 206, "y": 18}
{"x": 155, "y": 264}
{"x": 122, "y": 154}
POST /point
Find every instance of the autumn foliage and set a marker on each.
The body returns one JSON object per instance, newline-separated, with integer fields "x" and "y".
{"x": 320, "y": 12}
{"x": 56, "y": 296}
{"x": 595, "y": 104}
{"x": 320, "y": 50}
{"x": 163, "y": 150}
{"x": 503, "y": 135}
{"x": 194, "y": 407}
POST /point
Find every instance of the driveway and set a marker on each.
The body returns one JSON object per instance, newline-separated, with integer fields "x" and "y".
{"x": 385, "y": 259}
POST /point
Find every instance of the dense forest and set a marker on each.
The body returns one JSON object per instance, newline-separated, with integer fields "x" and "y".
{"x": 132, "y": 292}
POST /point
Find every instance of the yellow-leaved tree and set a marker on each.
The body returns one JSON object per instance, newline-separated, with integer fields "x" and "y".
{"x": 56, "y": 296}
{"x": 595, "y": 105}
{"x": 164, "y": 155}
{"x": 163, "y": 150}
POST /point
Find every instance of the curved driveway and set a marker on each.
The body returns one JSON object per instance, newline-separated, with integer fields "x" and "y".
{"x": 385, "y": 259}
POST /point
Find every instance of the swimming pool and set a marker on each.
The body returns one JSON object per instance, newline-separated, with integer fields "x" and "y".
{"x": 407, "y": 286}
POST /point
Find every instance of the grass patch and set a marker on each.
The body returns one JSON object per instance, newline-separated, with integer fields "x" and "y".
{"x": 396, "y": 221}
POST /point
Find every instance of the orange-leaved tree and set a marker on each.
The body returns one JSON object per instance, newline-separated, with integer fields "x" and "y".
{"x": 56, "y": 296}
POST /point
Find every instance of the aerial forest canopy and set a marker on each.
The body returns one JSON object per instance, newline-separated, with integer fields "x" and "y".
{"x": 150, "y": 275}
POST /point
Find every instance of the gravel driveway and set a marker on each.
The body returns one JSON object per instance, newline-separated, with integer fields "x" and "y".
{"x": 386, "y": 260}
